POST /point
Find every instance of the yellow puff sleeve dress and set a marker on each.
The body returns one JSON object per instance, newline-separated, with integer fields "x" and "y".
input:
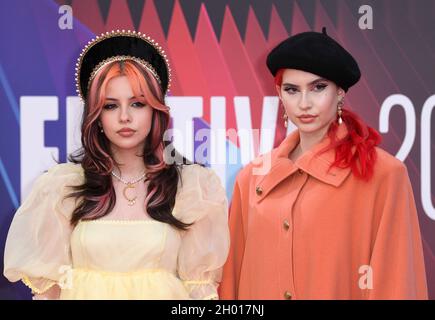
{"x": 119, "y": 259}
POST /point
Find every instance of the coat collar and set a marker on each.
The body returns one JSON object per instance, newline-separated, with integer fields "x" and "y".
{"x": 312, "y": 163}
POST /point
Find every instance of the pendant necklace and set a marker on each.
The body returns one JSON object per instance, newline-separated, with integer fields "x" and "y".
{"x": 129, "y": 185}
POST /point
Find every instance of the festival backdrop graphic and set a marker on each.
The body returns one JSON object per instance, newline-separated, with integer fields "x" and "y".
{"x": 217, "y": 51}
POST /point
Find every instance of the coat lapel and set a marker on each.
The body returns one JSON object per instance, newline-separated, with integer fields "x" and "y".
{"x": 314, "y": 163}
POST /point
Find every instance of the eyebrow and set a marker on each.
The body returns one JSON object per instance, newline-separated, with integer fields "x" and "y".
{"x": 311, "y": 83}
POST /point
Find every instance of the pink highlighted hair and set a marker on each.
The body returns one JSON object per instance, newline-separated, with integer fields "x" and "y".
{"x": 97, "y": 195}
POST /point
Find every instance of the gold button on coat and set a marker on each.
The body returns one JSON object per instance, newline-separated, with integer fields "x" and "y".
{"x": 287, "y": 295}
{"x": 258, "y": 190}
{"x": 286, "y": 224}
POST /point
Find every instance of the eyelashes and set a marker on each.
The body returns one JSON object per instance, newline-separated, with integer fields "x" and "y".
{"x": 320, "y": 87}
{"x": 316, "y": 88}
{"x": 112, "y": 106}
{"x": 138, "y": 104}
{"x": 290, "y": 90}
{"x": 109, "y": 106}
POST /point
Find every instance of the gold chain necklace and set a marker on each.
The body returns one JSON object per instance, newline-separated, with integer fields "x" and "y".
{"x": 129, "y": 185}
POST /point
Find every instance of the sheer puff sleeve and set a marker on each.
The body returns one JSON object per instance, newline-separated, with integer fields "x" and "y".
{"x": 204, "y": 246}
{"x": 38, "y": 242}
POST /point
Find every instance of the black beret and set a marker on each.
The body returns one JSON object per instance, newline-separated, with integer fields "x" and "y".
{"x": 316, "y": 53}
{"x": 121, "y": 46}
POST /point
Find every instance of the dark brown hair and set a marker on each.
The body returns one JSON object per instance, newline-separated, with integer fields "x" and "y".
{"x": 97, "y": 194}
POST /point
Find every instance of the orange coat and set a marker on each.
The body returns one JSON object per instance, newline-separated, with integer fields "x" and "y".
{"x": 301, "y": 232}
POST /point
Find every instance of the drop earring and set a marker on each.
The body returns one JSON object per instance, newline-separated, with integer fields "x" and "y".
{"x": 285, "y": 117}
{"x": 340, "y": 111}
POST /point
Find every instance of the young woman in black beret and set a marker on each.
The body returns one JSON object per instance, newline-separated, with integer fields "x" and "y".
{"x": 327, "y": 214}
{"x": 126, "y": 220}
